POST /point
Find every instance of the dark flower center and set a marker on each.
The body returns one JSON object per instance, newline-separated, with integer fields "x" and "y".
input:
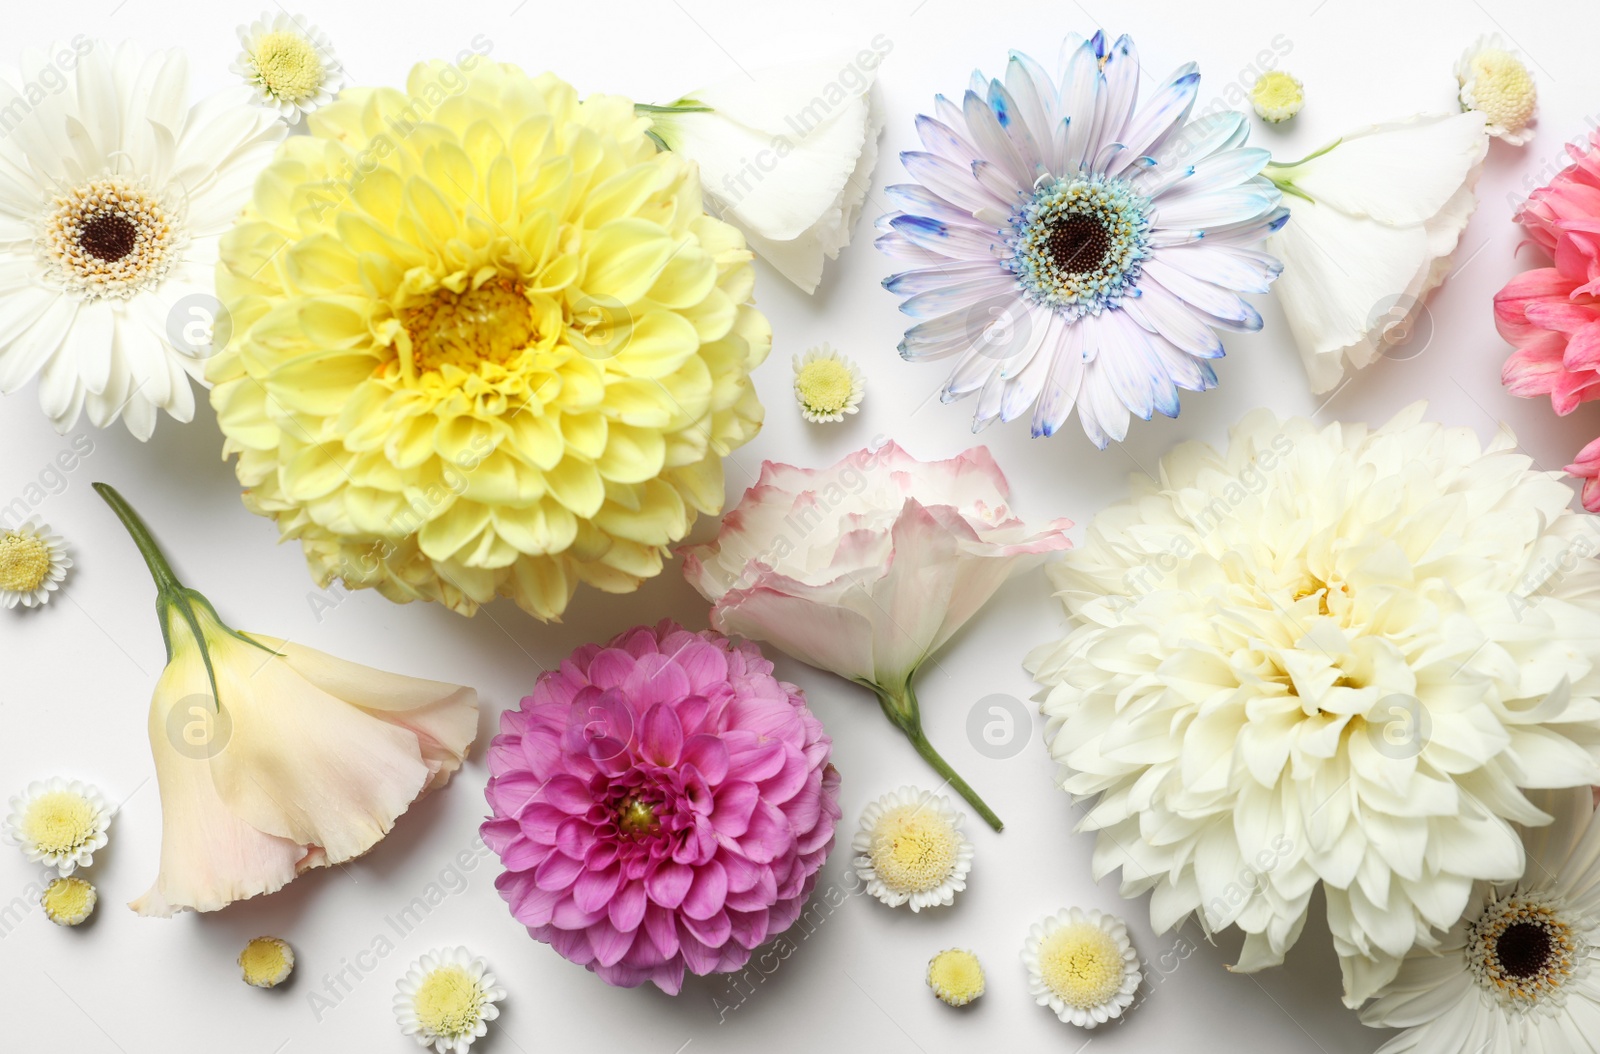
{"x": 1076, "y": 244}
{"x": 107, "y": 236}
{"x": 1523, "y": 949}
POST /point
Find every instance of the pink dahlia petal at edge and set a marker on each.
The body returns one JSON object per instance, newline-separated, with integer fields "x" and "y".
{"x": 1574, "y": 194}
{"x": 661, "y": 804}
{"x": 1587, "y": 468}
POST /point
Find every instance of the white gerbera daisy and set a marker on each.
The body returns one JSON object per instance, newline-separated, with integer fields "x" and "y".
{"x": 1517, "y": 974}
{"x": 1072, "y": 248}
{"x": 446, "y": 1000}
{"x": 826, "y": 385}
{"x": 912, "y": 850}
{"x": 33, "y": 564}
{"x": 1496, "y": 83}
{"x": 289, "y": 63}
{"x": 58, "y": 824}
{"x": 1082, "y": 966}
{"x": 1326, "y": 657}
{"x": 113, "y": 194}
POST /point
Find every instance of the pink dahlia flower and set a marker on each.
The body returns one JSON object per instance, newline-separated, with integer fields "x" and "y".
{"x": 661, "y": 804}
{"x": 1552, "y": 314}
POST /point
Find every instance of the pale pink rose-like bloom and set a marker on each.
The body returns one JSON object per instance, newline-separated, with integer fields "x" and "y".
{"x": 662, "y": 805}
{"x": 869, "y": 566}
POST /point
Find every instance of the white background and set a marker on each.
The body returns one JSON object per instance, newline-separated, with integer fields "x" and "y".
{"x": 75, "y": 677}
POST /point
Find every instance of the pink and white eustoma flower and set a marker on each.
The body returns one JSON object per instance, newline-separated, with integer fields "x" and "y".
{"x": 272, "y": 758}
{"x": 868, "y": 567}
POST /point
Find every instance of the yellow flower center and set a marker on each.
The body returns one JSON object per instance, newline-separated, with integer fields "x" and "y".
{"x": 914, "y": 849}
{"x": 1081, "y": 964}
{"x": 24, "y": 562}
{"x": 59, "y": 822}
{"x": 1276, "y": 90}
{"x": 265, "y": 962}
{"x": 1502, "y": 89}
{"x": 449, "y": 1002}
{"x": 956, "y": 976}
{"x": 824, "y": 386}
{"x": 637, "y": 817}
{"x": 492, "y": 323}
{"x": 68, "y": 900}
{"x": 287, "y": 66}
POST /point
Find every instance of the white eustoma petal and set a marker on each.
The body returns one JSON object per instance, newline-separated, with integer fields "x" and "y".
{"x": 786, "y": 156}
{"x": 1400, "y": 172}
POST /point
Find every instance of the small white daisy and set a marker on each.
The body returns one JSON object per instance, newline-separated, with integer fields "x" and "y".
{"x": 1082, "y": 966}
{"x": 1496, "y": 83}
{"x": 1277, "y": 96}
{"x": 290, "y": 63}
{"x": 33, "y": 563}
{"x": 956, "y": 976}
{"x": 266, "y": 962}
{"x": 912, "y": 850}
{"x": 58, "y": 824}
{"x": 68, "y": 901}
{"x": 827, "y": 385}
{"x": 446, "y": 1000}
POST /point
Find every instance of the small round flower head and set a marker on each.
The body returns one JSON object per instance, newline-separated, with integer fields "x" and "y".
{"x": 956, "y": 976}
{"x": 290, "y": 63}
{"x": 266, "y": 962}
{"x": 58, "y": 824}
{"x": 826, "y": 385}
{"x": 1082, "y": 966}
{"x": 447, "y": 1000}
{"x": 68, "y": 901}
{"x": 33, "y": 562}
{"x": 912, "y": 850}
{"x": 1277, "y": 96}
{"x": 1496, "y": 83}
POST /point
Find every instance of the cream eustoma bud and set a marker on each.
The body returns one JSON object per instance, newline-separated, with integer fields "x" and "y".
{"x": 273, "y": 758}
{"x": 785, "y": 154}
{"x": 1373, "y": 222}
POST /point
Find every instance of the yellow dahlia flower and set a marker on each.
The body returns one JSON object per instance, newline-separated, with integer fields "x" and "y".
{"x": 487, "y": 342}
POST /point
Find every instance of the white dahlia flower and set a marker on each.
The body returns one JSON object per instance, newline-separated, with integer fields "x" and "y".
{"x": 1330, "y": 658}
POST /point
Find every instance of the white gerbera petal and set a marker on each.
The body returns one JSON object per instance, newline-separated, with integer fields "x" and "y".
{"x": 131, "y": 182}
{"x": 1082, "y": 966}
{"x": 1374, "y": 220}
{"x": 912, "y": 849}
{"x": 1519, "y": 970}
{"x": 1044, "y": 214}
{"x": 289, "y": 64}
{"x": 1495, "y": 82}
{"x": 446, "y": 1000}
{"x": 1292, "y": 660}
{"x": 58, "y": 823}
{"x": 33, "y": 564}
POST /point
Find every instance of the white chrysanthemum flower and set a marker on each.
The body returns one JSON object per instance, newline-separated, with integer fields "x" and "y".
{"x": 1517, "y": 974}
{"x": 912, "y": 850}
{"x": 1082, "y": 966}
{"x": 956, "y": 976}
{"x": 827, "y": 385}
{"x": 266, "y": 962}
{"x": 59, "y": 824}
{"x": 446, "y": 1000}
{"x": 68, "y": 901}
{"x": 1327, "y": 658}
{"x": 33, "y": 564}
{"x": 1277, "y": 96}
{"x": 1496, "y": 83}
{"x": 114, "y": 192}
{"x": 289, "y": 63}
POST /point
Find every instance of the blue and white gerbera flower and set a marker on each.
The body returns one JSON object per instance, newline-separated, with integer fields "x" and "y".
{"x": 1071, "y": 248}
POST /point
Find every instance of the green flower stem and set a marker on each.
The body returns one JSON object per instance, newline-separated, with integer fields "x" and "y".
{"x": 900, "y": 707}
{"x": 1283, "y": 179}
{"x": 171, "y": 594}
{"x": 682, "y": 106}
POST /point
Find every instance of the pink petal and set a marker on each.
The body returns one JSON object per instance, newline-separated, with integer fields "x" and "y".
{"x": 669, "y": 883}
{"x": 661, "y": 736}
{"x": 627, "y": 907}
{"x": 707, "y": 893}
